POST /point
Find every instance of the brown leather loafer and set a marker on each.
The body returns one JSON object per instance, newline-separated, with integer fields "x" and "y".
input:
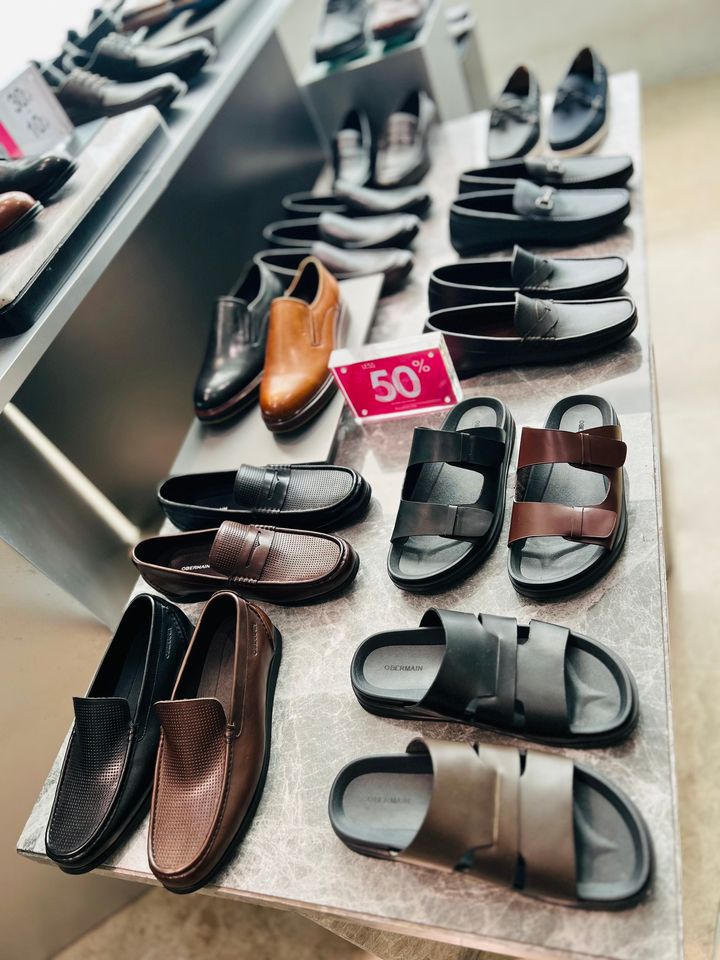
{"x": 17, "y": 211}
{"x": 258, "y": 562}
{"x": 215, "y": 743}
{"x": 306, "y": 325}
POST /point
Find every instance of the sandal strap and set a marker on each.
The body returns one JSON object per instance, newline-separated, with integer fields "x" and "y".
{"x": 464, "y": 522}
{"x": 597, "y": 447}
{"x": 487, "y": 815}
{"x": 476, "y": 447}
{"x": 540, "y": 686}
{"x": 582, "y": 524}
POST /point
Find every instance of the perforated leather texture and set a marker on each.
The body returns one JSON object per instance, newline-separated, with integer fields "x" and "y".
{"x": 310, "y": 489}
{"x": 295, "y": 557}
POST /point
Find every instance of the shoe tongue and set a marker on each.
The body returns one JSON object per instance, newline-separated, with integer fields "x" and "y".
{"x": 240, "y": 549}
{"x": 528, "y": 270}
{"x": 187, "y": 723}
{"x": 525, "y": 194}
{"x": 100, "y": 719}
{"x": 534, "y": 317}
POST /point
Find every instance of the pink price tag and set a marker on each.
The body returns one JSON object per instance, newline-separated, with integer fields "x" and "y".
{"x": 397, "y": 378}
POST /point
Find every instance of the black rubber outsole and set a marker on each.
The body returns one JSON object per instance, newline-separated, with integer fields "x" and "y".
{"x": 473, "y": 560}
{"x": 260, "y": 788}
{"x": 51, "y": 189}
{"x": 20, "y": 224}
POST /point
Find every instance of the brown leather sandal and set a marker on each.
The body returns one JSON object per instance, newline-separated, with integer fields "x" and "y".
{"x": 532, "y": 821}
{"x": 569, "y": 517}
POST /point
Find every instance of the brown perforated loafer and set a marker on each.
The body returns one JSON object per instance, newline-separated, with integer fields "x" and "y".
{"x": 215, "y": 743}
{"x": 258, "y": 562}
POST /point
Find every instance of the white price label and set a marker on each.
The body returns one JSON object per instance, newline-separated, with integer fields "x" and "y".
{"x": 31, "y": 120}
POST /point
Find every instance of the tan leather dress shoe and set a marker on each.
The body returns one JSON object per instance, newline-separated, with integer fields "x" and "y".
{"x": 17, "y": 210}
{"x": 306, "y": 325}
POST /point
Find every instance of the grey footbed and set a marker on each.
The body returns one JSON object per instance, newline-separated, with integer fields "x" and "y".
{"x": 423, "y": 557}
{"x": 377, "y": 805}
{"x": 395, "y": 669}
{"x": 549, "y": 560}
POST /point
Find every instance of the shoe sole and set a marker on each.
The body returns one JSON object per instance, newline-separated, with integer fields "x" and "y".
{"x": 587, "y": 146}
{"x": 22, "y": 223}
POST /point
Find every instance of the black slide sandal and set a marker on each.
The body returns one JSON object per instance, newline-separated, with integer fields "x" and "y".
{"x": 453, "y": 498}
{"x": 534, "y": 822}
{"x": 569, "y": 517}
{"x": 541, "y": 682}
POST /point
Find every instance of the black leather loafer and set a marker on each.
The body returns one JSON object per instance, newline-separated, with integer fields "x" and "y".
{"x": 301, "y": 495}
{"x": 230, "y": 376}
{"x": 497, "y": 281}
{"x": 579, "y": 120}
{"x": 352, "y": 201}
{"x": 403, "y": 156}
{"x": 395, "y": 265}
{"x": 491, "y": 335}
{"x": 367, "y": 233}
{"x": 342, "y": 30}
{"x": 119, "y": 58}
{"x": 86, "y": 96}
{"x": 41, "y": 177}
{"x": 353, "y": 149}
{"x": 106, "y": 776}
{"x": 515, "y": 117}
{"x": 572, "y": 173}
{"x": 543, "y": 216}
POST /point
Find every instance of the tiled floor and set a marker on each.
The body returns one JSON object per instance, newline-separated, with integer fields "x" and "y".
{"x": 682, "y": 144}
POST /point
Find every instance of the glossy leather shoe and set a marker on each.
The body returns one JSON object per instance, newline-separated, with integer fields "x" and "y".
{"x": 365, "y": 233}
{"x": 86, "y": 96}
{"x": 119, "y": 58}
{"x": 151, "y": 13}
{"x": 229, "y": 379}
{"x": 215, "y": 745}
{"x": 571, "y": 173}
{"x": 258, "y": 562}
{"x": 342, "y": 30}
{"x": 395, "y": 265}
{"x": 403, "y": 156}
{"x": 306, "y": 325}
{"x": 515, "y": 117}
{"x": 17, "y": 211}
{"x": 579, "y": 120}
{"x": 351, "y": 201}
{"x": 397, "y": 20}
{"x": 39, "y": 176}
{"x": 106, "y": 776}
{"x": 353, "y": 149}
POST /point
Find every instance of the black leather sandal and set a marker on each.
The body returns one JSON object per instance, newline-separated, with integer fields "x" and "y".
{"x": 541, "y": 682}
{"x": 453, "y": 497}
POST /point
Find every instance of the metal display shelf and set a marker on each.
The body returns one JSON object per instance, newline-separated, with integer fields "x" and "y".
{"x": 113, "y": 223}
{"x": 289, "y": 857}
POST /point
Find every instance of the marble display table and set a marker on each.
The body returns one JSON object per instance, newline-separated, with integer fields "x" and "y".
{"x": 290, "y": 857}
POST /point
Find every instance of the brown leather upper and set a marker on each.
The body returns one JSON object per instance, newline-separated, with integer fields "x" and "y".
{"x": 213, "y": 743}
{"x": 484, "y": 814}
{"x": 14, "y": 205}
{"x": 599, "y": 449}
{"x": 302, "y": 333}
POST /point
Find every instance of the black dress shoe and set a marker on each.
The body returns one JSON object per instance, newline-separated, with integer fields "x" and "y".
{"x": 86, "y": 96}
{"x": 119, "y": 58}
{"x": 403, "y": 156}
{"x": 535, "y": 215}
{"x": 395, "y": 265}
{"x": 40, "y": 176}
{"x": 579, "y": 120}
{"x": 352, "y": 201}
{"x": 471, "y": 282}
{"x": 515, "y": 117}
{"x": 572, "y": 173}
{"x": 300, "y": 495}
{"x": 106, "y": 776}
{"x": 353, "y": 149}
{"x": 342, "y": 30}
{"x": 491, "y": 335}
{"x": 366, "y": 233}
{"x": 230, "y": 376}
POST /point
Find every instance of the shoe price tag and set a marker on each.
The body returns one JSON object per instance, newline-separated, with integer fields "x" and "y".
{"x": 397, "y": 378}
{"x": 32, "y": 122}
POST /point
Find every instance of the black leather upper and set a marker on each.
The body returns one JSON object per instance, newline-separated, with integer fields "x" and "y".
{"x": 395, "y": 265}
{"x": 119, "y": 58}
{"x": 366, "y": 233}
{"x": 403, "y": 156}
{"x": 235, "y": 353}
{"x": 108, "y": 767}
{"x": 581, "y": 103}
{"x": 86, "y": 96}
{"x": 567, "y": 173}
{"x": 41, "y": 177}
{"x": 515, "y": 117}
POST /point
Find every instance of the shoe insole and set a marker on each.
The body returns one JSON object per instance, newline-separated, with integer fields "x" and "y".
{"x": 554, "y": 559}
{"x": 381, "y": 804}
{"x": 400, "y": 666}
{"x": 123, "y": 668}
{"x": 218, "y": 671}
{"x": 203, "y": 489}
{"x": 425, "y": 556}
